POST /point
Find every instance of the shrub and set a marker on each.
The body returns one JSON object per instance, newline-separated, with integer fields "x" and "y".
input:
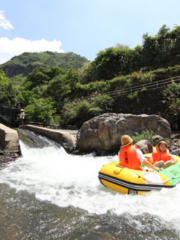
{"x": 76, "y": 113}
{"x": 135, "y": 94}
{"x": 40, "y": 110}
{"x": 55, "y": 119}
{"x": 104, "y": 102}
{"x": 95, "y": 111}
{"x": 145, "y": 134}
{"x": 171, "y": 95}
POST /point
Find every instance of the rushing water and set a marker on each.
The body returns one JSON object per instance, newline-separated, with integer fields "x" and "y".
{"x": 49, "y": 194}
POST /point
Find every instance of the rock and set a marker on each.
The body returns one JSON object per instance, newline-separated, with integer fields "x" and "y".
{"x": 145, "y": 146}
{"x": 176, "y": 142}
{"x": 67, "y": 140}
{"x": 175, "y": 136}
{"x": 157, "y": 138}
{"x": 5, "y": 159}
{"x": 103, "y": 133}
{"x": 9, "y": 140}
{"x": 176, "y": 152}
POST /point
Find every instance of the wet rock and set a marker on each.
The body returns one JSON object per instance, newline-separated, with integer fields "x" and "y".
{"x": 9, "y": 140}
{"x": 9, "y": 145}
{"x": 4, "y": 159}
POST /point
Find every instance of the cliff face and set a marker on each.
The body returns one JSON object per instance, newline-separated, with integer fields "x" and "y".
{"x": 14, "y": 70}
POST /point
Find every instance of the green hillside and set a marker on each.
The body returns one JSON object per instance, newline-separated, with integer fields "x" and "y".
{"x": 27, "y": 62}
{"x": 68, "y": 89}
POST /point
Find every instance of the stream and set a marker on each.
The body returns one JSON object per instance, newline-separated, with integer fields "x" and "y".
{"x": 48, "y": 194}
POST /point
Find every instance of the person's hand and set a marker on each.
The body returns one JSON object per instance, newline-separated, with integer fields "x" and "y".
{"x": 160, "y": 169}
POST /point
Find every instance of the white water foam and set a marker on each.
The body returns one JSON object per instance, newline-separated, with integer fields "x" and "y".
{"x": 66, "y": 180}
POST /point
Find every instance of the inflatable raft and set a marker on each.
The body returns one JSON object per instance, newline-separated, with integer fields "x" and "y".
{"x": 129, "y": 181}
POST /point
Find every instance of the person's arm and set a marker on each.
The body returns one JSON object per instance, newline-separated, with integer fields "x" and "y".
{"x": 149, "y": 158}
{"x": 173, "y": 159}
{"x": 144, "y": 161}
{"x": 148, "y": 164}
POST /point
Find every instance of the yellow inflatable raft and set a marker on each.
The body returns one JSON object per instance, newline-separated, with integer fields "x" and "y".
{"x": 128, "y": 181}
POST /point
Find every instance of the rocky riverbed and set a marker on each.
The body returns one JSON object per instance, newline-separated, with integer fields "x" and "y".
{"x": 6, "y": 155}
{"x": 174, "y": 147}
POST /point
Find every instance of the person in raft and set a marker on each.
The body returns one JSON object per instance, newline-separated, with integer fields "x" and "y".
{"x": 132, "y": 157}
{"x": 161, "y": 156}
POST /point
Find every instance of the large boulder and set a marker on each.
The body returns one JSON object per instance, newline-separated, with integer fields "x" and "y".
{"x": 103, "y": 133}
{"x": 9, "y": 140}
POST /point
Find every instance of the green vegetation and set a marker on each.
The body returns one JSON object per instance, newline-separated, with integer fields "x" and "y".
{"x": 145, "y": 134}
{"x": 160, "y": 51}
{"x": 40, "y": 110}
{"x": 66, "y": 87}
{"x": 27, "y": 62}
{"x": 8, "y": 93}
{"x": 75, "y": 113}
{"x": 172, "y": 97}
{"x": 135, "y": 94}
{"x": 148, "y": 135}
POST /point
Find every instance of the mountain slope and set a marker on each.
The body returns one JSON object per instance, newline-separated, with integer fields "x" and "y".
{"x": 26, "y": 62}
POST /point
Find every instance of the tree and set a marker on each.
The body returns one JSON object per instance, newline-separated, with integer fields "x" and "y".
{"x": 88, "y": 73}
{"x": 163, "y": 31}
{"x": 3, "y": 78}
{"x": 40, "y": 110}
{"x": 37, "y": 77}
{"x": 8, "y": 93}
{"x": 3, "y": 85}
{"x": 150, "y": 50}
{"x": 57, "y": 88}
{"x": 26, "y": 97}
{"x": 172, "y": 98}
{"x": 11, "y": 95}
{"x": 75, "y": 113}
{"x": 72, "y": 77}
{"x": 121, "y": 46}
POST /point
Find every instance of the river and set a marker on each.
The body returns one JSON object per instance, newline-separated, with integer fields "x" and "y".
{"x": 48, "y": 194}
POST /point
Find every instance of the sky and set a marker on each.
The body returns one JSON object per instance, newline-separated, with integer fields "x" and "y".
{"x": 84, "y": 27}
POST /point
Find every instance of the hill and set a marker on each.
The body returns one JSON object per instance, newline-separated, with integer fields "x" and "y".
{"x": 68, "y": 89}
{"x": 27, "y": 62}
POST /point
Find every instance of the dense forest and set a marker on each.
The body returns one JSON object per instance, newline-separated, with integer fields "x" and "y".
{"x": 67, "y": 89}
{"x": 25, "y": 63}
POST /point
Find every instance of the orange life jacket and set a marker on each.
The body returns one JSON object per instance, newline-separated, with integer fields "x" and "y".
{"x": 128, "y": 157}
{"x": 157, "y": 155}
